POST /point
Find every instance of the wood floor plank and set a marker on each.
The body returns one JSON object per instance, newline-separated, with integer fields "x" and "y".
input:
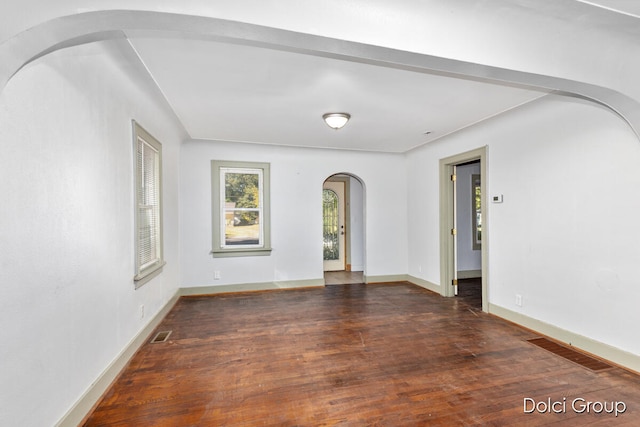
{"x": 387, "y": 355}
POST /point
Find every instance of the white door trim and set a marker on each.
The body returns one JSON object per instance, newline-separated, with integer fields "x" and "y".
{"x": 447, "y": 223}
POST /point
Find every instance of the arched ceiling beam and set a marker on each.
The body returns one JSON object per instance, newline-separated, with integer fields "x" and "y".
{"x": 73, "y": 30}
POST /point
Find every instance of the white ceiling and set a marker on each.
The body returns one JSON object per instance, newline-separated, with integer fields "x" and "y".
{"x": 256, "y": 94}
{"x": 250, "y": 92}
{"x": 242, "y": 93}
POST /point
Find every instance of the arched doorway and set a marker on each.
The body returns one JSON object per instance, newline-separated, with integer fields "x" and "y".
{"x": 343, "y": 229}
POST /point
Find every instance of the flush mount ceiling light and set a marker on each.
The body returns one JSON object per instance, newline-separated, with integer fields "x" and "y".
{"x": 336, "y": 120}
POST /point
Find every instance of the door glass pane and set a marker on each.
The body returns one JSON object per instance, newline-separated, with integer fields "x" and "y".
{"x": 330, "y": 224}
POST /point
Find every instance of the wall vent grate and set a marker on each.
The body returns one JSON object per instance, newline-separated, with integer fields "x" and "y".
{"x": 161, "y": 336}
{"x": 570, "y": 354}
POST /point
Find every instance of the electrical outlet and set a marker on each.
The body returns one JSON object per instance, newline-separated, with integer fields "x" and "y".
{"x": 519, "y": 300}
{"x": 216, "y": 275}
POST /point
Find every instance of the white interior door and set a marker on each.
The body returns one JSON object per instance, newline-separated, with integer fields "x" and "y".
{"x": 333, "y": 225}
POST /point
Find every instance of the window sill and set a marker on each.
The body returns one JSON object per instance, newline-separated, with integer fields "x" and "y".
{"x": 226, "y": 253}
{"x": 148, "y": 274}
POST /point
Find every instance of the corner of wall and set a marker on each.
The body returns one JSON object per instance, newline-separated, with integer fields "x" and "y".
{"x": 83, "y": 407}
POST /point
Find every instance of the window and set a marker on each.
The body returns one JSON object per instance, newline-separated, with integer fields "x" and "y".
{"x": 148, "y": 206}
{"x": 240, "y": 193}
{"x": 476, "y": 203}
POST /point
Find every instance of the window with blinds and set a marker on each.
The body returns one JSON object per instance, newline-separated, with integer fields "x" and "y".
{"x": 148, "y": 215}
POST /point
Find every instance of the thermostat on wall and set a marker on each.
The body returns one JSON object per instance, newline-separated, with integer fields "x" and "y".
{"x": 497, "y": 198}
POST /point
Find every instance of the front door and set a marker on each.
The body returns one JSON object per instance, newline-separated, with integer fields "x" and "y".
{"x": 333, "y": 226}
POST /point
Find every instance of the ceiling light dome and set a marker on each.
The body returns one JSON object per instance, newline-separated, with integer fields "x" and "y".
{"x": 336, "y": 120}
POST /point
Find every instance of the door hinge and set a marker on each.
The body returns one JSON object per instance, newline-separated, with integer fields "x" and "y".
{"x": 454, "y": 232}
{"x": 454, "y": 282}
{"x": 454, "y": 177}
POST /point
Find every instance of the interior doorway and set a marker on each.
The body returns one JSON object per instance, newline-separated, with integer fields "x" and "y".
{"x": 343, "y": 229}
{"x": 343, "y": 277}
{"x": 463, "y": 230}
{"x": 468, "y": 237}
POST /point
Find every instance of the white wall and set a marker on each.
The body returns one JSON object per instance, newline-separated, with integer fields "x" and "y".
{"x": 565, "y": 237}
{"x": 67, "y": 301}
{"x": 356, "y": 226}
{"x": 297, "y": 175}
{"x": 469, "y": 259}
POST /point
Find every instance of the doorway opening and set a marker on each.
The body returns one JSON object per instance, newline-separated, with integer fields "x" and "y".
{"x": 343, "y": 229}
{"x": 463, "y": 230}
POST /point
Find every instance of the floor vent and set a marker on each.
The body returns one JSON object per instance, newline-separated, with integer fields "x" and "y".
{"x": 161, "y": 336}
{"x": 570, "y": 354}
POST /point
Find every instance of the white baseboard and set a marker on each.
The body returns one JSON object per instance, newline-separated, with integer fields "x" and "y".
{"x": 386, "y": 279}
{"x": 425, "y": 284}
{"x": 87, "y": 401}
{"x": 403, "y": 278}
{"x": 614, "y": 355}
{"x": 248, "y": 287}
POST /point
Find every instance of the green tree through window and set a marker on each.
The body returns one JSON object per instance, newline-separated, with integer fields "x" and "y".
{"x": 242, "y": 190}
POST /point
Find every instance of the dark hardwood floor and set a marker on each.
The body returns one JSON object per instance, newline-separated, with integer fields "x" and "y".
{"x": 470, "y": 292}
{"x": 354, "y": 355}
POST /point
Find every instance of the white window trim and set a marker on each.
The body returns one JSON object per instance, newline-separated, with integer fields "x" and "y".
{"x": 145, "y": 272}
{"x": 218, "y": 169}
